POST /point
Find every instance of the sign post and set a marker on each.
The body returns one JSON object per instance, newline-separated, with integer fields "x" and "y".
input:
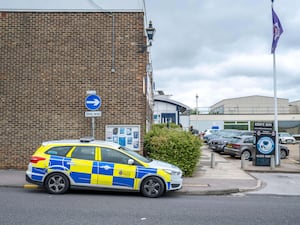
{"x": 93, "y": 102}
{"x": 264, "y": 143}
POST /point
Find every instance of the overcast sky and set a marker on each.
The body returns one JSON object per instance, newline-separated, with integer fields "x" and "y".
{"x": 217, "y": 49}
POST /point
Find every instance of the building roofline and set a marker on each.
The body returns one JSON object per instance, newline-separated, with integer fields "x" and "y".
{"x": 72, "y": 10}
{"x": 162, "y": 98}
{"x": 242, "y": 97}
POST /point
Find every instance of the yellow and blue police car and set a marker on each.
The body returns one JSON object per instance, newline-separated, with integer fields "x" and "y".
{"x": 60, "y": 165}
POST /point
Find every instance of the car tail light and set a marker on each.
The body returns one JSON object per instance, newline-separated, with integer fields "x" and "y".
{"x": 236, "y": 145}
{"x": 36, "y": 159}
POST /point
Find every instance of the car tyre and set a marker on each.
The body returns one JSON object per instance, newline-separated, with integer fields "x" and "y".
{"x": 246, "y": 154}
{"x": 57, "y": 183}
{"x": 152, "y": 187}
{"x": 283, "y": 154}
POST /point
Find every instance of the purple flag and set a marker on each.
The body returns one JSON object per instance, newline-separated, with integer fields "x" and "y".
{"x": 277, "y": 31}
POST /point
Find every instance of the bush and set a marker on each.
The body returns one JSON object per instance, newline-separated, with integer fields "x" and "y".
{"x": 173, "y": 145}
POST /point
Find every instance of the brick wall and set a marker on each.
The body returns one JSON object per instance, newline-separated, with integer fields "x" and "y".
{"x": 48, "y": 60}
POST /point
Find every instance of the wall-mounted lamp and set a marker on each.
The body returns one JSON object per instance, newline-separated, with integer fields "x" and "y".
{"x": 150, "y": 30}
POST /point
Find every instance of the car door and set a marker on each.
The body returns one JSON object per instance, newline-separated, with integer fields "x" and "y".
{"x": 114, "y": 170}
{"x": 81, "y": 165}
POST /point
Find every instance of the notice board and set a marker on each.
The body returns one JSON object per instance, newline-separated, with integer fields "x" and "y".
{"x": 126, "y": 135}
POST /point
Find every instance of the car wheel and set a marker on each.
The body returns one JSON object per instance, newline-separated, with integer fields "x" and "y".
{"x": 283, "y": 154}
{"x": 152, "y": 187}
{"x": 57, "y": 183}
{"x": 246, "y": 155}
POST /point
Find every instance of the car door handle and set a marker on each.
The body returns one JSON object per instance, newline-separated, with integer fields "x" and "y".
{"x": 106, "y": 167}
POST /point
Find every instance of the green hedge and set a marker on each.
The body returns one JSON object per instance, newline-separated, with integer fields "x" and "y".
{"x": 173, "y": 145}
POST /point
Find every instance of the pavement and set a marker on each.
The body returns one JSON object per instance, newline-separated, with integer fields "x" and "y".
{"x": 215, "y": 175}
{"x": 219, "y": 175}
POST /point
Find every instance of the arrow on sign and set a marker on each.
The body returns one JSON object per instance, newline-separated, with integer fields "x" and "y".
{"x": 95, "y": 102}
{"x": 92, "y": 102}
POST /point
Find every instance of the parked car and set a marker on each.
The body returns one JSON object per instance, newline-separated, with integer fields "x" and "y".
{"x": 210, "y": 131}
{"x": 217, "y": 144}
{"x": 59, "y": 165}
{"x": 286, "y": 138}
{"x": 243, "y": 146}
{"x": 207, "y": 137}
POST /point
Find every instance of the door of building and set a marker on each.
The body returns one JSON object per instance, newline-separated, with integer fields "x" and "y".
{"x": 168, "y": 117}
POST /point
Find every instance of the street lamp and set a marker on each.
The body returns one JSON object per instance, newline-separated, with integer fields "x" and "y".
{"x": 150, "y": 31}
{"x": 197, "y": 104}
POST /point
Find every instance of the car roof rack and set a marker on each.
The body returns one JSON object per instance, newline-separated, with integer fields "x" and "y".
{"x": 87, "y": 139}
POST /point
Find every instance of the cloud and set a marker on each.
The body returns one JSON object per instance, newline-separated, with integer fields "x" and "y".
{"x": 217, "y": 49}
{"x": 221, "y": 49}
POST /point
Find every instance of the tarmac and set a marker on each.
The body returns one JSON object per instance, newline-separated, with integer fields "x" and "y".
{"x": 215, "y": 175}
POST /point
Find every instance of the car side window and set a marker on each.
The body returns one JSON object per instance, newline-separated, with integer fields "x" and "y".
{"x": 111, "y": 155}
{"x": 249, "y": 140}
{"x": 84, "y": 152}
{"x": 59, "y": 151}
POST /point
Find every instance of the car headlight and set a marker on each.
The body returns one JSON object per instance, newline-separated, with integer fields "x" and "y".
{"x": 173, "y": 172}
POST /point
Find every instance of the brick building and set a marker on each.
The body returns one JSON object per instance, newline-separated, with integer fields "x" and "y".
{"x": 48, "y": 62}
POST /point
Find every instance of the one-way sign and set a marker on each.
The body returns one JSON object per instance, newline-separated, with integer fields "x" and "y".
{"x": 93, "y": 102}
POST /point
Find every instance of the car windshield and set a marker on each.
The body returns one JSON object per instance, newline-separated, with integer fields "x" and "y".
{"x": 135, "y": 155}
{"x": 214, "y": 131}
{"x": 285, "y": 135}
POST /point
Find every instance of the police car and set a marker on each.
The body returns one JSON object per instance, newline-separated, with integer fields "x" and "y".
{"x": 60, "y": 165}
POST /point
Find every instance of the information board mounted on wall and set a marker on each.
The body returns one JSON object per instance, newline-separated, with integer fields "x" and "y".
{"x": 125, "y": 135}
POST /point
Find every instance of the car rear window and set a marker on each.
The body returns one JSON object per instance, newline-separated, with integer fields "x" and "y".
{"x": 59, "y": 151}
{"x": 235, "y": 140}
{"x": 249, "y": 140}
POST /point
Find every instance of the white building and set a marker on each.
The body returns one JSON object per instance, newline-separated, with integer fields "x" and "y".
{"x": 166, "y": 110}
{"x": 255, "y": 104}
{"x": 234, "y": 113}
{"x": 241, "y": 112}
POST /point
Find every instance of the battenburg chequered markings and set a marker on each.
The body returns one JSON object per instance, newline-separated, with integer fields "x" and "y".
{"x": 109, "y": 173}
{"x": 38, "y": 173}
{"x": 81, "y": 177}
{"x": 59, "y": 163}
{"x": 142, "y": 171}
{"x": 105, "y": 168}
{"x": 93, "y": 172}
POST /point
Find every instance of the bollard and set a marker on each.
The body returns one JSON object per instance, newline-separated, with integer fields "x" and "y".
{"x": 272, "y": 162}
{"x": 243, "y": 161}
{"x": 212, "y": 160}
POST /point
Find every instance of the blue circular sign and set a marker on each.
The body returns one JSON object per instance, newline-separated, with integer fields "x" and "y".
{"x": 265, "y": 145}
{"x": 93, "y": 102}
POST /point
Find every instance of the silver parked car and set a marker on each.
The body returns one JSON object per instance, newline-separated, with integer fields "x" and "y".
{"x": 286, "y": 138}
{"x": 243, "y": 146}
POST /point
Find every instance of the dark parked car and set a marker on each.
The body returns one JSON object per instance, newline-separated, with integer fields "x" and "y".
{"x": 217, "y": 144}
{"x": 243, "y": 146}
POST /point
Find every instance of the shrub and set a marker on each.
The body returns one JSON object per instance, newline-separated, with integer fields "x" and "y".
{"x": 173, "y": 145}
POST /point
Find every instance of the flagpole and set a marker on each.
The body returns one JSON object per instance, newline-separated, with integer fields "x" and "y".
{"x": 277, "y": 152}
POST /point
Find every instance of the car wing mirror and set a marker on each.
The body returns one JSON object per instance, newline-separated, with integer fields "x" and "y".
{"x": 130, "y": 161}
